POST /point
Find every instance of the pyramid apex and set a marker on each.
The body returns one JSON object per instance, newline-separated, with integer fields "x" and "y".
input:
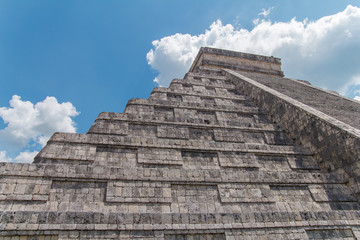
{"x": 220, "y": 58}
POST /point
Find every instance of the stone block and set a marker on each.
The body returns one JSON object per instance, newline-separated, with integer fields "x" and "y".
{"x": 330, "y": 234}
{"x": 169, "y": 131}
{"x": 23, "y": 189}
{"x": 238, "y": 160}
{"x": 200, "y": 160}
{"x": 109, "y": 127}
{"x": 228, "y": 135}
{"x": 303, "y": 162}
{"x": 331, "y": 193}
{"x": 244, "y": 193}
{"x": 159, "y": 156}
{"x": 138, "y": 192}
{"x": 67, "y": 151}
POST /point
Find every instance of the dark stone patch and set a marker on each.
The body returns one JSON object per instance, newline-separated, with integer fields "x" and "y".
{"x": 330, "y": 234}
{"x": 76, "y": 185}
{"x": 201, "y": 134}
{"x": 174, "y": 97}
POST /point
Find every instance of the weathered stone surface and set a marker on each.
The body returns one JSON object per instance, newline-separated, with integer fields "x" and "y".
{"x": 239, "y": 193}
{"x": 22, "y": 189}
{"x": 334, "y": 143}
{"x": 138, "y": 192}
{"x": 216, "y": 155}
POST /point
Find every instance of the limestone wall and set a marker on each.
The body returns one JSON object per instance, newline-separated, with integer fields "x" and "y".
{"x": 335, "y": 143}
{"x": 197, "y": 160}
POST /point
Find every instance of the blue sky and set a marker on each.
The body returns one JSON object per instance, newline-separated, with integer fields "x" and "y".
{"x": 93, "y": 55}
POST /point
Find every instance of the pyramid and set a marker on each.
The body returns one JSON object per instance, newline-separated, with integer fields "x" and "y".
{"x": 233, "y": 151}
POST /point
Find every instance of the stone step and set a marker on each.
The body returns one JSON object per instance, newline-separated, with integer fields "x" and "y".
{"x": 207, "y": 72}
{"x": 202, "y": 80}
{"x": 178, "y": 144}
{"x": 188, "y": 132}
{"x": 120, "y": 127}
{"x": 188, "y": 158}
{"x": 337, "y": 106}
{"x": 203, "y": 89}
{"x": 192, "y": 231}
{"x": 181, "y": 94}
{"x": 235, "y": 121}
{"x": 149, "y": 106}
{"x": 180, "y": 221}
{"x": 164, "y": 131}
{"x": 102, "y": 173}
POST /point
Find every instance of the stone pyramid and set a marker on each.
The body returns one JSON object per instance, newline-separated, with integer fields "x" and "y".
{"x": 232, "y": 151}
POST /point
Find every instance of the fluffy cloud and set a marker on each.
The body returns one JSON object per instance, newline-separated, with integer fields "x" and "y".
{"x": 26, "y": 157}
{"x": 325, "y": 51}
{"x": 4, "y": 158}
{"x": 23, "y": 157}
{"x": 29, "y": 124}
{"x": 26, "y": 121}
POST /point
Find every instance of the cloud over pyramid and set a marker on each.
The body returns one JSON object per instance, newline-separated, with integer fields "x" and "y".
{"x": 232, "y": 151}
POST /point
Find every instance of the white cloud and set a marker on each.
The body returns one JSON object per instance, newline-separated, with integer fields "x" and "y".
{"x": 23, "y": 157}
{"x": 26, "y": 157}
{"x": 4, "y": 158}
{"x": 265, "y": 12}
{"x": 325, "y": 52}
{"x": 357, "y": 98}
{"x": 352, "y": 86}
{"x": 28, "y": 122}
